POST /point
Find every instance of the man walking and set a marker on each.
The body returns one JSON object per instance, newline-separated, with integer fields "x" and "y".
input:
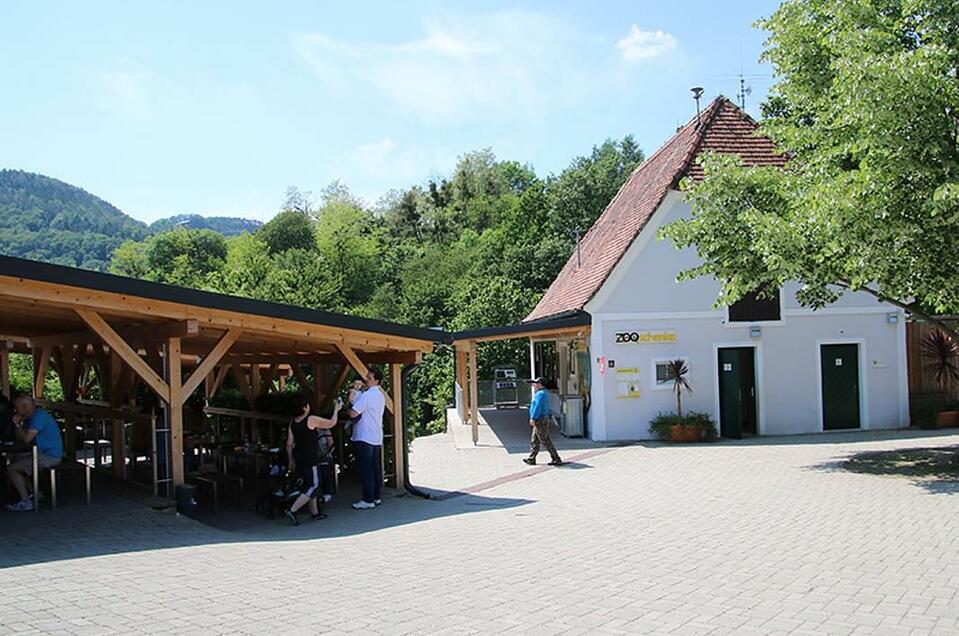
{"x": 539, "y": 421}
{"x": 367, "y": 439}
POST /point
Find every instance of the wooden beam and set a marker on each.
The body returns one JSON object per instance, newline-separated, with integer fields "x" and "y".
{"x": 255, "y": 379}
{"x": 120, "y": 346}
{"x": 114, "y": 378}
{"x": 239, "y": 374}
{"x": 306, "y": 386}
{"x": 460, "y": 375}
{"x": 557, "y": 332}
{"x": 362, "y": 369}
{"x": 5, "y": 368}
{"x": 210, "y": 361}
{"x": 41, "y": 364}
{"x": 218, "y": 380}
{"x": 334, "y": 386}
{"x": 143, "y": 333}
{"x": 32, "y": 292}
{"x": 174, "y": 372}
{"x": 474, "y": 395}
{"x": 399, "y": 454}
{"x": 383, "y": 357}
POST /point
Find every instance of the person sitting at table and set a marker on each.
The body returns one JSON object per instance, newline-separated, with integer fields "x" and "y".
{"x": 34, "y": 425}
{"x": 303, "y": 451}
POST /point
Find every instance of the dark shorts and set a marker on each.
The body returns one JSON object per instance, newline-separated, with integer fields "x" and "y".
{"x": 309, "y": 475}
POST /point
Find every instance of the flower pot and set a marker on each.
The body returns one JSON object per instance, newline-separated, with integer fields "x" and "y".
{"x": 692, "y": 433}
{"x": 677, "y": 433}
{"x": 947, "y": 419}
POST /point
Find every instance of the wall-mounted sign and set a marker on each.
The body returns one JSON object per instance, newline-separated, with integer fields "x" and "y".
{"x": 645, "y": 337}
{"x": 627, "y": 383}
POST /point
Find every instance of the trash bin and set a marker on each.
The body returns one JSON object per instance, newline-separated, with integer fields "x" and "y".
{"x": 186, "y": 499}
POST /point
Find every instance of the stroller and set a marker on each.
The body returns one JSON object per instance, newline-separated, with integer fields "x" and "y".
{"x": 277, "y": 487}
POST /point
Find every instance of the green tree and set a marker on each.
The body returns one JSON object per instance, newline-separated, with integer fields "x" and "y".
{"x": 185, "y": 257}
{"x": 290, "y": 229}
{"x": 867, "y": 103}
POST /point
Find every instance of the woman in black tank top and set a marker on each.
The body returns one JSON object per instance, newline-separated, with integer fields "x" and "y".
{"x": 303, "y": 450}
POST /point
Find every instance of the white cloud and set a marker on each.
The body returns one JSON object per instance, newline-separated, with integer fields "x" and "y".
{"x": 402, "y": 164}
{"x": 642, "y": 45}
{"x": 462, "y": 64}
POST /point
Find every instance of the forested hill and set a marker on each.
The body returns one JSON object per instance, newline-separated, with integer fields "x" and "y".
{"x": 46, "y": 219}
{"x": 225, "y": 225}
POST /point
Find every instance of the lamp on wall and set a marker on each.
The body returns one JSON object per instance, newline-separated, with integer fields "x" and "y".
{"x": 892, "y": 318}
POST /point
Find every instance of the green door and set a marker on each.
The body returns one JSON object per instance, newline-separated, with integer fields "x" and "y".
{"x": 737, "y": 391}
{"x": 840, "y": 386}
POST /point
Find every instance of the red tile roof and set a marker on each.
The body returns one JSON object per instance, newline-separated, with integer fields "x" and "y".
{"x": 724, "y": 128}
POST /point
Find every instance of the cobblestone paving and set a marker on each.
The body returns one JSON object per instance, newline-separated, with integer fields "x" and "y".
{"x": 762, "y": 537}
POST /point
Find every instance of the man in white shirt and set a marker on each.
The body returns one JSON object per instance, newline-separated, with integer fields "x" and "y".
{"x": 368, "y": 439}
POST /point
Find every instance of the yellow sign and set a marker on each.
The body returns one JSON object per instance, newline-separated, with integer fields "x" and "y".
{"x": 645, "y": 337}
{"x": 627, "y": 383}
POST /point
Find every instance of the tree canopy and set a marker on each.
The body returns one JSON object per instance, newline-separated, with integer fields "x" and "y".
{"x": 866, "y": 103}
{"x": 476, "y": 249}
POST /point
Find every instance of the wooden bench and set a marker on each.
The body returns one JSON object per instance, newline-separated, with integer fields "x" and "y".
{"x": 213, "y": 480}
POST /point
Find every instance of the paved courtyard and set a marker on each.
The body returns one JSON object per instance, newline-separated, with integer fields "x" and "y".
{"x": 766, "y": 536}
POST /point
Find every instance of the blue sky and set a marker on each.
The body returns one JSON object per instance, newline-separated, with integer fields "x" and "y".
{"x": 216, "y": 107}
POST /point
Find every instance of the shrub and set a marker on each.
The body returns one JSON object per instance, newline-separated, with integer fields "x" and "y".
{"x": 661, "y": 424}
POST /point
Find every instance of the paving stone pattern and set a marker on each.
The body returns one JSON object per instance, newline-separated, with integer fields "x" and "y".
{"x": 761, "y": 537}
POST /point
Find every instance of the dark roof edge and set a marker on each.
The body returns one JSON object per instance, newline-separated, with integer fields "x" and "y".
{"x": 558, "y": 321}
{"x": 112, "y": 283}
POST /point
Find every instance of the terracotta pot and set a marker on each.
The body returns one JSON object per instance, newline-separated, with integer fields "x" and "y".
{"x": 677, "y": 433}
{"x": 692, "y": 433}
{"x": 947, "y": 419}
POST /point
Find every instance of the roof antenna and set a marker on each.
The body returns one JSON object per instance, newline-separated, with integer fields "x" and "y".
{"x": 697, "y": 93}
{"x": 577, "y": 232}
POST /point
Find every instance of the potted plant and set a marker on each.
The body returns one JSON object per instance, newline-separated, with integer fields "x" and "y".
{"x": 693, "y": 427}
{"x": 942, "y": 359}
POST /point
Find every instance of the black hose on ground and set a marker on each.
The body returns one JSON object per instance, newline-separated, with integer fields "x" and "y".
{"x": 410, "y": 488}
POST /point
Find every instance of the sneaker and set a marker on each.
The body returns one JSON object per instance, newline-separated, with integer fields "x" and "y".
{"x": 292, "y": 517}
{"x": 25, "y": 505}
{"x": 327, "y": 498}
{"x": 377, "y": 502}
{"x": 364, "y": 505}
{"x": 318, "y": 516}
{"x": 557, "y": 462}
{"x": 528, "y": 461}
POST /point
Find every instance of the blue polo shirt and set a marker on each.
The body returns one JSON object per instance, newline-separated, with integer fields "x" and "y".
{"x": 539, "y": 406}
{"x": 48, "y": 438}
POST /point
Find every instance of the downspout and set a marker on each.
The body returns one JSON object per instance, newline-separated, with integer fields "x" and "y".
{"x": 410, "y": 488}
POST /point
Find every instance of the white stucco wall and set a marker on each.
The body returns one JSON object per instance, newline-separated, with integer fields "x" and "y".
{"x": 642, "y": 295}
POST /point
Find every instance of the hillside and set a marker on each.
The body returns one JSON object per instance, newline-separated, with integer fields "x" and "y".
{"x": 225, "y": 225}
{"x": 46, "y": 219}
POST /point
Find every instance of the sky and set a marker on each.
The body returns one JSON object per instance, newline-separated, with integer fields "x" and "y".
{"x": 215, "y": 108}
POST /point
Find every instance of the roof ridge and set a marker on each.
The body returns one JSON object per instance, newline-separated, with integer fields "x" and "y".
{"x": 710, "y": 110}
{"x": 709, "y": 118}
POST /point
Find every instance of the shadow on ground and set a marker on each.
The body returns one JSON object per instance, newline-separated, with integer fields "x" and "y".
{"x": 122, "y": 520}
{"x": 934, "y": 469}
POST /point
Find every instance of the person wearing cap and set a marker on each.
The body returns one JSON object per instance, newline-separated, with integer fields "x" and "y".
{"x": 539, "y": 420}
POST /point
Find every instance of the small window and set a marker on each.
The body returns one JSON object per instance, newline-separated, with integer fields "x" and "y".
{"x": 754, "y": 307}
{"x": 660, "y": 374}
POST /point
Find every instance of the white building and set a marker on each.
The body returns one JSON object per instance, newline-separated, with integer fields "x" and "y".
{"x": 759, "y": 367}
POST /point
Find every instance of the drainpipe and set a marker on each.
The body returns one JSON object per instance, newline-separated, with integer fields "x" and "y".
{"x": 410, "y": 488}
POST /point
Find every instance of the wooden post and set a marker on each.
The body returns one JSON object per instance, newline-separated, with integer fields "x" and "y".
{"x": 41, "y": 364}
{"x": 117, "y": 438}
{"x": 461, "y": 383}
{"x": 174, "y": 373}
{"x": 319, "y": 383}
{"x": 474, "y": 391}
{"x": 399, "y": 456}
{"x": 5, "y": 368}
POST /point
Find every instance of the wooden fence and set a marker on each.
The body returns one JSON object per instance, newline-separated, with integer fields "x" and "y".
{"x": 921, "y": 380}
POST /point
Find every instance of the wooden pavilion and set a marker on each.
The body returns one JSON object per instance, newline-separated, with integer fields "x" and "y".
{"x": 179, "y": 341}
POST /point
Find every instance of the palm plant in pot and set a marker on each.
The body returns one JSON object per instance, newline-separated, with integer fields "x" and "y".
{"x": 676, "y": 428}
{"x": 941, "y": 353}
